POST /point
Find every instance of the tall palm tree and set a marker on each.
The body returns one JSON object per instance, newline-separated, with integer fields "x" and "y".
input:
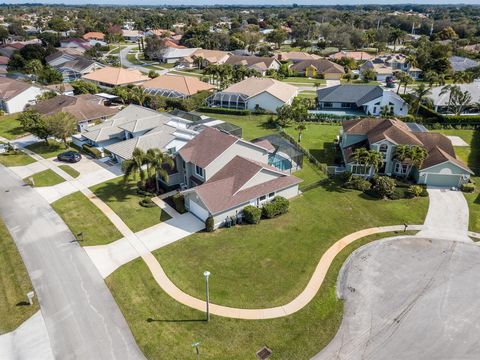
{"x": 301, "y": 127}
{"x": 134, "y": 166}
{"x": 459, "y": 77}
{"x": 138, "y": 95}
{"x": 156, "y": 160}
{"x": 374, "y": 159}
{"x": 410, "y": 155}
{"x": 420, "y": 92}
{"x": 360, "y": 156}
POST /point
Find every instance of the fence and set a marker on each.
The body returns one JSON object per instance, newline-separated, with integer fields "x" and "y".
{"x": 305, "y": 152}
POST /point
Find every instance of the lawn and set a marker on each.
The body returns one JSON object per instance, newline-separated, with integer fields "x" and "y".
{"x": 17, "y": 158}
{"x": 132, "y": 58}
{"x": 48, "y": 151}
{"x": 123, "y": 200}
{"x": 166, "y": 329}
{"x": 308, "y": 94}
{"x": 44, "y": 178}
{"x": 10, "y": 127}
{"x": 304, "y": 80}
{"x": 82, "y": 216}
{"x": 359, "y": 82}
{"x": 471, "y": 156}
{"x": 69, "y": 170}
{"x": 15, "y": 285}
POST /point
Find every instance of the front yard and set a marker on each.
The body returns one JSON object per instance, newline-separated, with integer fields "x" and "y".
{"x": 123, "y": 200}
{"x": 15, "y": 285}
{"x": 48, "y": 151}
{"x": 17, "y": 158}
{"x": 44, "y": 178}
{"x": 82, "y": 216}
{"x": 10, "y": 127}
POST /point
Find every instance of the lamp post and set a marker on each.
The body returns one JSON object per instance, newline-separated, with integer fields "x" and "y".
{"x": 207, "y": 274}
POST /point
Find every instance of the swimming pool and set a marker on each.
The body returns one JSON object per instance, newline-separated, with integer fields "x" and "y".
{"x": 279, "y": 162}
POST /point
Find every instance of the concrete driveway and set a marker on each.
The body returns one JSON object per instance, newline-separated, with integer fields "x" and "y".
{"x": 409, "y": 298}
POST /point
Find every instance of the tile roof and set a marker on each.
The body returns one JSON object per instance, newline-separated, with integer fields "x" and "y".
{"x": 253, "y": 86}
{"x": 322, "y": 65}
{"x": 9, "y": 88}
{"x": 356, "y": 55}
{"x": 250, "y": 61}
{"x": 187, "y": 85}
{"x": 94, "y": 35}
{"x": 296, "y": 56}
{"x": 116, "y": 76}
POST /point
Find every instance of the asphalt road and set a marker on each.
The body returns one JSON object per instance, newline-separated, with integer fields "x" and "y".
{"x": 409, "y": 298}
{"x": 82, "y": 318}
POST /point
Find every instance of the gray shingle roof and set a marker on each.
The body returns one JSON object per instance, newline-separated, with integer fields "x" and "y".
{"x": 358, "y": 94}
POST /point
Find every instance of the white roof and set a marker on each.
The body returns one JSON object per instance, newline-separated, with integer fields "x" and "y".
{"x": 173, "y": 53}
{"x": 442, "y": 100}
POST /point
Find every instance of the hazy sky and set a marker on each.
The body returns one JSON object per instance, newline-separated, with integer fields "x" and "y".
{"x": 243, "y": 2}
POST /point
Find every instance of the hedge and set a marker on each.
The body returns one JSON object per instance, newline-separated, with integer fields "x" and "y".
{"x": 179, "y": 203}
{"x": 209, "y": 224}
{"x": 224, "y": 111}
{"x": 92, "y": 151}
{"x": 252, "y": 214}
{"x": 278, "y": 206}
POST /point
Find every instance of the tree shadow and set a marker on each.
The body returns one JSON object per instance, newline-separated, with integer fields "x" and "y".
{"x": 22, "y": 303}
{"x": 332, "y": 184}
{"x": 150, "y": 320}
{"x": 474, "y": 156}
{"x": 327, "y": 155}
{"x": 117, "y": 191}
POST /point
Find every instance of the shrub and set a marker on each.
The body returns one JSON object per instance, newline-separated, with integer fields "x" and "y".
{"x": 358, "y": 183}
{"x": 384, "y": 186}
{"x": 345, "y": 177}
{"x": 424, "y": 192}
{"x": 179, "y": 203}
{"x": 143, "y": 192}
{"x": 233, "y": 219}
{"x": 252, "y": 214}
{"x": 209, "y": 224}
{"x": 147, "y": 203}
{"x": 468, "y": 188}
{"x": 415, "y": 190}
{"x": 278, "y": 206}
{"x": 92, "y": 151}
{"x": 225, "y": 111}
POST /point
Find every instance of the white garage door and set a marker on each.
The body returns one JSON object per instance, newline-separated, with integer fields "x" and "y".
{"x": 197, "y": 210}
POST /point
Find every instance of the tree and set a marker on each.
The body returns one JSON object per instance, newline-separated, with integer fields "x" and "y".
{"x": 34, "y": 67}
{"x": 84, "y": 87}
{"x": 138, "y": 95}
{"x": 460, "y": 101}
{"x": 46, "y": 95}
{"x": 410, "y": 155}
{"x": 134, "y": 167}
{"x": 448, "y": 33}
{"x": 157, "y": 160}
{"x": 384, "y": 185}
{"x": 62, "y": 125}
{"x": 34, "y": 123}
{"x": 360, "y": 156}
{"x": 369, "y": 75}
{"x": 3, "y": 34}
{"x": 396, "y": 36}
{"x": 420, "y": 92}
{"x": 277, "y": 36}
{"x": 152, "y": 74}
{"x": 49, "y": 75}
{"x": 301, "y": 127}
{"x": 58, "y": 24}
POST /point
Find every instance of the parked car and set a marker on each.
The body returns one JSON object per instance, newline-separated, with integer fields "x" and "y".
{"x": 69, "y": 156}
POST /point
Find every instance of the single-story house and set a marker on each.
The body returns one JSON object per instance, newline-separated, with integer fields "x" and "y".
{"x": 85, "y": 108}
{"x": 175, "y": 86}
{"x": 172, "y": 55}
{"x": 225, "y": 173}
{"x": 367, "y": 99}
{"x": 8, "y": 49}
{"x": 60, "y": 57}
{"x": 319, "y": 68}
{"x": 440, "y": 101}
{"x": 132, "y": 35}
{"x": 355, "y": 55}
{"x": 258, "y": 63}
{"x": 159, "y": 32}
{"x": 440, "y": 168}
{"x": 296, "y": 56}
{"x": 254, "y": 93}
{"x": 205, "y": 58}
{"x": 94, "y": 35}
{"x": 109, "y": 77}
{"x": 75, "y": 69}
{"x": 461, "y": 63}
{"x": 16, "y": 94}
{"x": 76, "y": 43}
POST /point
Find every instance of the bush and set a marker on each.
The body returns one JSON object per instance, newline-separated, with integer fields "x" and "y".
{"x": 147, "y": 203}
{"x": 225, "y": 111}
{"x": 143, "y": 192}
{"x": 179, "y": 203}
{"x": 358, "y": 183}
{"x": 415, "y": 190}
{"x": 345, "y": 177}
{"x": 92, "y": 151}
{"x": 209, "y": 224}
{"x": 384, "y": 186}
{"x": 468, "y": 188}
{"x": 424, "y": 193}
{"x": 252, "y": 214}
{"x": 278, "y": 206}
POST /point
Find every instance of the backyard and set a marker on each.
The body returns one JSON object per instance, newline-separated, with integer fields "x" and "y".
{"x": 124, "y": 201}
{"x": 15, "y": 284}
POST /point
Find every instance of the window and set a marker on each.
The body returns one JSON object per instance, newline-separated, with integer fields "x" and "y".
{"x": 346, "y": 105}
{"x": 383, "y": 149}
{"x": 327, "y": 104}
{"x": 359, "y": 170}
{"x": 271, "y": 195}
{"x": 400, "y": 168}
{"x": 171, "y": 151}
{"x": 198, "y": 171}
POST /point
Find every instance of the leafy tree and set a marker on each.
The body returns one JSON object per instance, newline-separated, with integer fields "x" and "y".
{"x": 62, "y": 125}
{"x": 384, "y": 185}
{"x": 49, "y": 75}
{"x": 46, "y": 95}
{"x": 84, "y": 87}
{"x": 155, "y": 47}
{"x": 277, "y": 36}
{"x": 16, "y": 62}
{"x": 33, "y": 122}
{"x": 3, "y": 34}
{"x": 448, "y": 33}
{"x": 369, "y": 75}
{"x": 58, "y": 24}
{"x": 33, "y": 66}
{"x": 152, "y": 74}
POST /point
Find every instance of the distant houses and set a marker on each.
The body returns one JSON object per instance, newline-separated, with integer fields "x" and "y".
{"x": 319, "y": 68}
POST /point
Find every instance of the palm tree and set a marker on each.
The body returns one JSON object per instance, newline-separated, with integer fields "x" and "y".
{"x": 156, "y": 159}
{"x": 374, "y": 159}
{"x": 360, "y": 156}
{"x": 411, "y": 61}
{"x": 420, "y": 92}
{"x": 459, "y": 77}
{"x": 138, "y": 95}
{"x": 411, "y": 155}
{"x": 301, "y": 126}
{"x": 406, "y": 81}
{"x": 134, "y": 166}
{"x": 451, "y": 90}
{"x": 396, "y": 36}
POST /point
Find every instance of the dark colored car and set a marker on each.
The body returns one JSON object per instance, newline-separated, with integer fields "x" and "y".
{"x": 69, "y": 156}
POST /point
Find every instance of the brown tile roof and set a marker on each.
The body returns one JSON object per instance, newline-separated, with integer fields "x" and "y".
{"x": 94, "y": 35}
{"x": 249, "y": 61}
{"x": 225, "y": 189}
{"x": 187, "y": 85}
{"x": 116, "y": 76}
{"x": 296, "y": 56}
{"x": 253, "y": 86}
{"x": 82, "y": 107}
{"x": 356, "y": 55}
{"x": 4, "y": 60}
{"x": 212, "y": 56}
{"x": 323, "y": 66}
{"x": 9, "y": 88}
{"x": 207, "y": 146}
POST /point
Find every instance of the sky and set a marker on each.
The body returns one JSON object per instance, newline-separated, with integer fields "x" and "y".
{"x": 243, "y": 2}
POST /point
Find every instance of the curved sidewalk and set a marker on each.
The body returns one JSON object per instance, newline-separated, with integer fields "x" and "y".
{"x": 269, "y": 313}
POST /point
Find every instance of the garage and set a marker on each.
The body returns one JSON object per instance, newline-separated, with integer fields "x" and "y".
{"x": 197, "y": 210}
{"x": 443, "y": 180}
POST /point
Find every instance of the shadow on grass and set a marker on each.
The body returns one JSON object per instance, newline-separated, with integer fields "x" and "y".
{"x": 22, "y": 303}
{"x": 325, "y": 155}
{"x": 329, "y": 184}
{"x": 117, "y": 191}
{"x": 474, "y": 156}
{"x": 149, "y": 320}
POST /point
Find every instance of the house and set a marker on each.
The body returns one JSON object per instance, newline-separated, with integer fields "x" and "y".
{"x": 61, "y": 89}
{"x": 8, "y": 49}
{"x": 203, "y": 58}
{"x": 225, "y": 173}
{"x": 171, "y": 55}
{"x": 440, "y": 168}
{"x": 15, "y": 95}
{"x": 319, "y": 68}
{"x": 461, "y": 63}
{"x": 159, "y": 32}
{"x": 355, "y": 55}
{"x": 175, "y": 86}
{"x": 253, "y": 94}
{"x": 109, "y": 77}
{"x": 296, "y": 56}
{"x": 75, "y": 43}
{"x": 94, "y": 35}
{"x": 75, "y": 69}
{"x": 85, "y": 108}
{"x": 257, "y": 63}
{"x": 440, "y": 100}
{"x": 132, "y": 35}
{"x": 387, "y": 65}
{"x": 3, "y": 64}
{"x": 366, "y": 99}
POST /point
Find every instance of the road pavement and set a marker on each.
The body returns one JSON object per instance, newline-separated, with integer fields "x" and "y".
{"x": 82, "y": 319}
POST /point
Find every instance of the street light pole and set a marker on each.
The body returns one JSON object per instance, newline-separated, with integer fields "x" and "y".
{"x": 207, "y": 274}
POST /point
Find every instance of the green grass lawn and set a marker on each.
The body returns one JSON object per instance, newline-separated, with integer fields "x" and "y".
{"x": 166, "y": 329}
{"x": 308, "y": 94}
{"x": 123, "y": 199}
{"x": 10, "y": 127}
{"x": 269, "y": 264}
{"x": 359, "y": 82}
{"x": 16, "y": 159}
{"x": 48, "y": 151}
{"x": 69, "y": 170}
{"x": 44, "y": 178}
{"x": 131, "y": 57}
{"x": 302, "y": 79}
{"x": 82, "y": 216}
{"x": 470, "y": 155}
{"x": 14, "y": 285}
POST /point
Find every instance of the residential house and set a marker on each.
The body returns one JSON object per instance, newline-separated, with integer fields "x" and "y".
{"x": 441, "y": 100}
{"x": 253, "y": 94}
{"x": 175, "y": 86}
{"x": 60, "y": 57}
{"x": 85, "y": 108}
{"x": 75, "y": 69}
{"x": 7, "y": 50}
{"x": 296, "y": 56}
{"x": 94, "y": 35}
{"x": 61, "y": 89}
{"x": 319, "y": 68}
{"x": 225, "y": 173}
{"x": 132, "y": 35}
{"x": 355, "y": 55}
{"x": 440, "y": 168}
{"x": 159, "y": 33}
{"x": 257, "y": 63}
{"x": 360, "y": 99}
{"x": 461, "y": 63}
{"x": 386, "y": 66}
{"x": 75, "y": 43}
{"x": 109, "y": 77}
{"x": 203, "y": 58}
{"x": 15, "y": 95}
{"x": 172, "y": 55}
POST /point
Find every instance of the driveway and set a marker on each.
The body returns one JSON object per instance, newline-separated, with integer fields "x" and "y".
{"x": 82, "y": 318}
{"x": 125, "y": 62}
{"x": 409, "y": 298}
